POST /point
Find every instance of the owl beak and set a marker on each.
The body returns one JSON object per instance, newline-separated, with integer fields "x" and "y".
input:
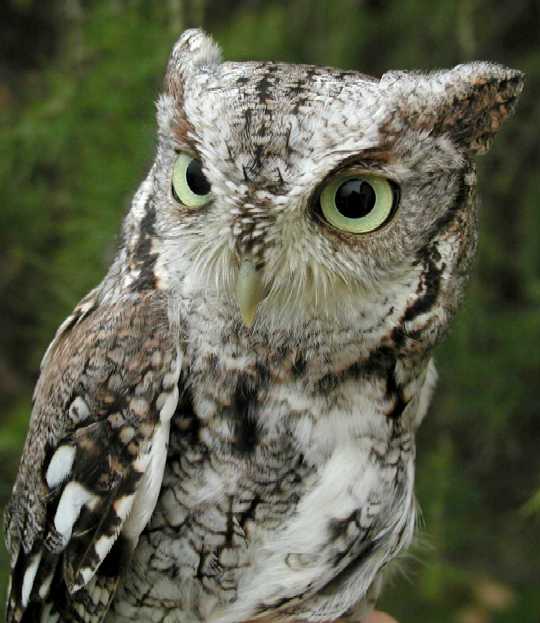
{"x": 249, "y": 290}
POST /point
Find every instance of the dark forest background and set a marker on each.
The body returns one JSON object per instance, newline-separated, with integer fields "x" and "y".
{"x": 78, "y": 81}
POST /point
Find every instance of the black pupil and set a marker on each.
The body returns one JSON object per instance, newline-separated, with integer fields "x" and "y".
{"x": 196, "y": 179}
{"x": 355, "y": 198}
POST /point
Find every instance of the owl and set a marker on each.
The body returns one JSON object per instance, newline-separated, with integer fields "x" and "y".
{"x": 224, "y": 429}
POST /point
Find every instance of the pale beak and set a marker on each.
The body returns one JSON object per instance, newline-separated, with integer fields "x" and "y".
{"x": 249, "y": 290}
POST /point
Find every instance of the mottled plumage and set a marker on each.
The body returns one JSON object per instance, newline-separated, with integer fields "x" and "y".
{"x": 223, "y": 429}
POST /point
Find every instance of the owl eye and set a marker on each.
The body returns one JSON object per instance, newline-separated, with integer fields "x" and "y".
{"x": 358, "y": 204}
{"x": 189, "y": 183}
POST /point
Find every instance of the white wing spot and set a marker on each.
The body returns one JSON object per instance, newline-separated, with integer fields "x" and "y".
{"x": 60, "y": 466}
{"x": 74, "y": 497}
{"x": 87, "y": 573}
{"x": 46, "y": 586}
{"x": 29, "y": 577}
{"x": 122, "y": 506}
{"x": 103, "y": 545}
{"x": 78, "y": 410}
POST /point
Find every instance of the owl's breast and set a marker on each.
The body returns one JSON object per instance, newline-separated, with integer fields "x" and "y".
{"x": 273, "y": 487}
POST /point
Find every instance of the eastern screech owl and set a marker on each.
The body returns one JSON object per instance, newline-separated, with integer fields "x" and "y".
{"x": 223, "y": 430}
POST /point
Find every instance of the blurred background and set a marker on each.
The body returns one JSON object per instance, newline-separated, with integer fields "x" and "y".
{"x": 78, "y": 82}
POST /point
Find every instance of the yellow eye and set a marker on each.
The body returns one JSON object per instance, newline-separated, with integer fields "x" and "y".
{"x": 358, "y": 204}
{"x": 189, "y": 183}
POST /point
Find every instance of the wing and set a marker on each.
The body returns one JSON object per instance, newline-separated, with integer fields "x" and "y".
{"x": 94, "y": 457}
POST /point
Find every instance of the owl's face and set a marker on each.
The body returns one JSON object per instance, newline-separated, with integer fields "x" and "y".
{"x": 288, "y": 192}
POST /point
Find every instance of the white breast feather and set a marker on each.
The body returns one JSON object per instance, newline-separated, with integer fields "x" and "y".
{"x": 346, "y": 483}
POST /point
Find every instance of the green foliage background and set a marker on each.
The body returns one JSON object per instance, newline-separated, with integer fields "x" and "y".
{"x": 78, "y": 81}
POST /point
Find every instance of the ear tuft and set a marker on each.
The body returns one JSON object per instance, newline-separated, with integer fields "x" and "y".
{"x": 468, "y": 103}
{"x": 194, "y": 50}
{"x": 479, "y": 98}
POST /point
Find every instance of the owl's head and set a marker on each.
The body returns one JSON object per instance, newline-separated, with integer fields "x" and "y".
{"x": 289, "y": 192}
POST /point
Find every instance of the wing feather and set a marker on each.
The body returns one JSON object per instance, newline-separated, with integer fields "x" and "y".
{"x": 94, "y": 457}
